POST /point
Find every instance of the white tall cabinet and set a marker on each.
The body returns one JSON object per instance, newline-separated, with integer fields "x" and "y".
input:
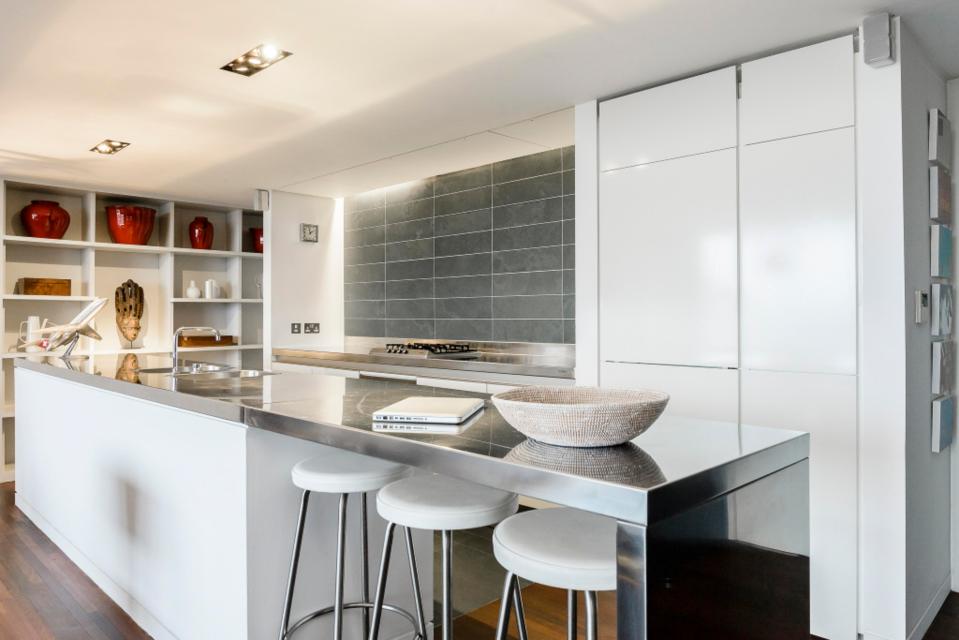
{"x": 728, "y": 270}
{"x": 668, "y": 241}
{"x": 798, "y": 284}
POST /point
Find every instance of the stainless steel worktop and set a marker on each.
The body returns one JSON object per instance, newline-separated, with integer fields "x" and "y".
{"x": 677, "y": 464}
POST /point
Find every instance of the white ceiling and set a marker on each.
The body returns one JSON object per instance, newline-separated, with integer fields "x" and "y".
{"x": 544, "y": 132}
{"x": 377, "y": 91}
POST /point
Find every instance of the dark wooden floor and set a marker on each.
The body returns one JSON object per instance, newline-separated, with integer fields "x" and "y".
{"x": 546, "y": 611}
{"x": 946, "y": 624}
{"x": 44, "y": 595}
{"x": 545, "y": 617}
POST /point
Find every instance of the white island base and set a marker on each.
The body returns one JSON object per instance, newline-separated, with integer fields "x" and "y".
{"x": 186, "y": 520}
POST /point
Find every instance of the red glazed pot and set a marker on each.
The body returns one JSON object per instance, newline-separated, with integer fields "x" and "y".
{"x": 201, "y": 233}
{"x": 129, "y": 224}
{"x": 45, "y": 219}
{"x": 257, "y": 234}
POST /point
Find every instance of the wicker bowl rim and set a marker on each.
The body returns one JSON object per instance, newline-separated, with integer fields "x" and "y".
{"x": 592, "y": 396}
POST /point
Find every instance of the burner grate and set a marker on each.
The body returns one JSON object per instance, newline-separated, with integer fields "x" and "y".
{"x": 427, "y": 350}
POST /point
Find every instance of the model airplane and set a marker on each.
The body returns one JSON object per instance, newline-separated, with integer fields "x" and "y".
{"x": 54, "y": 336}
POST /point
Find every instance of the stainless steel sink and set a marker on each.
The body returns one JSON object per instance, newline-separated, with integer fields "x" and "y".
{"x": 197, "y": 368}
{"x": 238, "y": 383}
{"x": 235, "y": 374}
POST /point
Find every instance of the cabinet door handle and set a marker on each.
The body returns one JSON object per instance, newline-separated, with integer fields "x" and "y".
{"x": 374, "y": 375}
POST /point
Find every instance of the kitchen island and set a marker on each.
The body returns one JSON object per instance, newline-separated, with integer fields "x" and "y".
{"x": 174, "y": 495}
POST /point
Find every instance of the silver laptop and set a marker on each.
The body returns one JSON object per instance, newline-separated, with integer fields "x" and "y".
{"x": 427, "y": 428}
{"x": 430, "y": 410}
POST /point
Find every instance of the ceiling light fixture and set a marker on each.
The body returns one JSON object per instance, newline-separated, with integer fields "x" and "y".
{"x": 256, "y": 60}
{"x": 109, "y": 147}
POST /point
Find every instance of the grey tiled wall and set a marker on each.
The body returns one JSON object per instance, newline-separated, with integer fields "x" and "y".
{"x": 480, "y": 254}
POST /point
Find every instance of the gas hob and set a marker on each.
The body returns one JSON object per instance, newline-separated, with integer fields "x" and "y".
{"x": 427, "y": 350}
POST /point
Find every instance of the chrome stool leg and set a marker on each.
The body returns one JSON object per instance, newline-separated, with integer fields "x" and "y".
{"x": 339, "y": 607}
{"x": 297, "y": 543}
{"x": 512, "y": 598}
{"x": 518, "y": 604}
{"x": 447, "y": 585}
{"x": 592, "y": 631}
{"x": 505, "y": 604}
{"x": 365, "y": 577}
{"x": 414, "y": 576}
{"x": 378, "y": 605}
{"x": 381, "y": 581}
{"x": 571, "y": 621}
{"x": 340, "y": 560}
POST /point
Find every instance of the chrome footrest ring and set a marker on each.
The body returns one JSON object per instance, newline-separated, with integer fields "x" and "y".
{"x": 354, "y": 605}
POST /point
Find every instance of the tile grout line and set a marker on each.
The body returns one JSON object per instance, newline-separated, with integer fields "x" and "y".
{"x": 464, "y": 275}
{"x": 467, "y": 275}
{"x": 463, "y": 233}
{"x": 452, "y": 193}
{"x": 460, "y": 255}
{"x": 456, "y": 213}
{"x": 510, "y": 295}
{"x": 384, "y": 274}
{"x": 492, "y": 325}
{"x": 433, "y": 278}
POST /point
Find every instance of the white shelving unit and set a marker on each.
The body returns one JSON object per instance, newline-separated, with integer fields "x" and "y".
{"x": 96, "y": 266}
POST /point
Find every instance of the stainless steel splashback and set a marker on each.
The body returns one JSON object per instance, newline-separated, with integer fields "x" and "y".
{"x": 540, "y": 353}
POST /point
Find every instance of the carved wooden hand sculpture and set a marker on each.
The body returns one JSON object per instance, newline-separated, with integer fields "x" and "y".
{"x": 129, "y": 304}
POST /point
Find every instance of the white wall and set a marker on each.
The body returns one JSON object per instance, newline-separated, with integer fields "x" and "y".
{"x": 306, "y": 279}
{"x": 927, "y": 473}
{"x": 904, "y": 487}
{"x": 882, "y": 358}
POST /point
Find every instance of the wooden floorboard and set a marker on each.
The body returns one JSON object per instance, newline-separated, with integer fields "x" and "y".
{"x": 946, "y": 624}
{"x": 44, "y": 596}
{"x": 546, "y": 618}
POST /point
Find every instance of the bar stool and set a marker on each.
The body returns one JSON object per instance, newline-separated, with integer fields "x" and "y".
{"x": 436, "y": 503}
{"x": 340, "y": 472}
{"x": 564, "y": 548}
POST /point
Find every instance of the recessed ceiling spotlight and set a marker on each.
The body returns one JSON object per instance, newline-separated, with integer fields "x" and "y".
{"x": 256, "y": 60}
{"x": 109, "y": 147}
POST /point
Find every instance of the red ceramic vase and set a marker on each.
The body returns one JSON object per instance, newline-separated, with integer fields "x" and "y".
{"x": 257, "y": 234}
{"x": 129, "y": 224}
{"x": 201, "y": 233}
{"x": 45, "y": 219}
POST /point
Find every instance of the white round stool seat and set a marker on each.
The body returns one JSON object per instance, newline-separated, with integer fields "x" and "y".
{"x": 563, "y": 548}
{"x": 337, "y": 471}
{"x": 441, "y": 503}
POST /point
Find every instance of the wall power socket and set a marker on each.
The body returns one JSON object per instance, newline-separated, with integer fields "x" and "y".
{"x": 311, "y": 327}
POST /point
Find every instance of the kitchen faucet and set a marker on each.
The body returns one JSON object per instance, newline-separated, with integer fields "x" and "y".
{"x": 176, "y": 339}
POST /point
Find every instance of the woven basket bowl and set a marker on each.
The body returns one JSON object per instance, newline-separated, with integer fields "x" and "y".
{"x": 580, "y": 416}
